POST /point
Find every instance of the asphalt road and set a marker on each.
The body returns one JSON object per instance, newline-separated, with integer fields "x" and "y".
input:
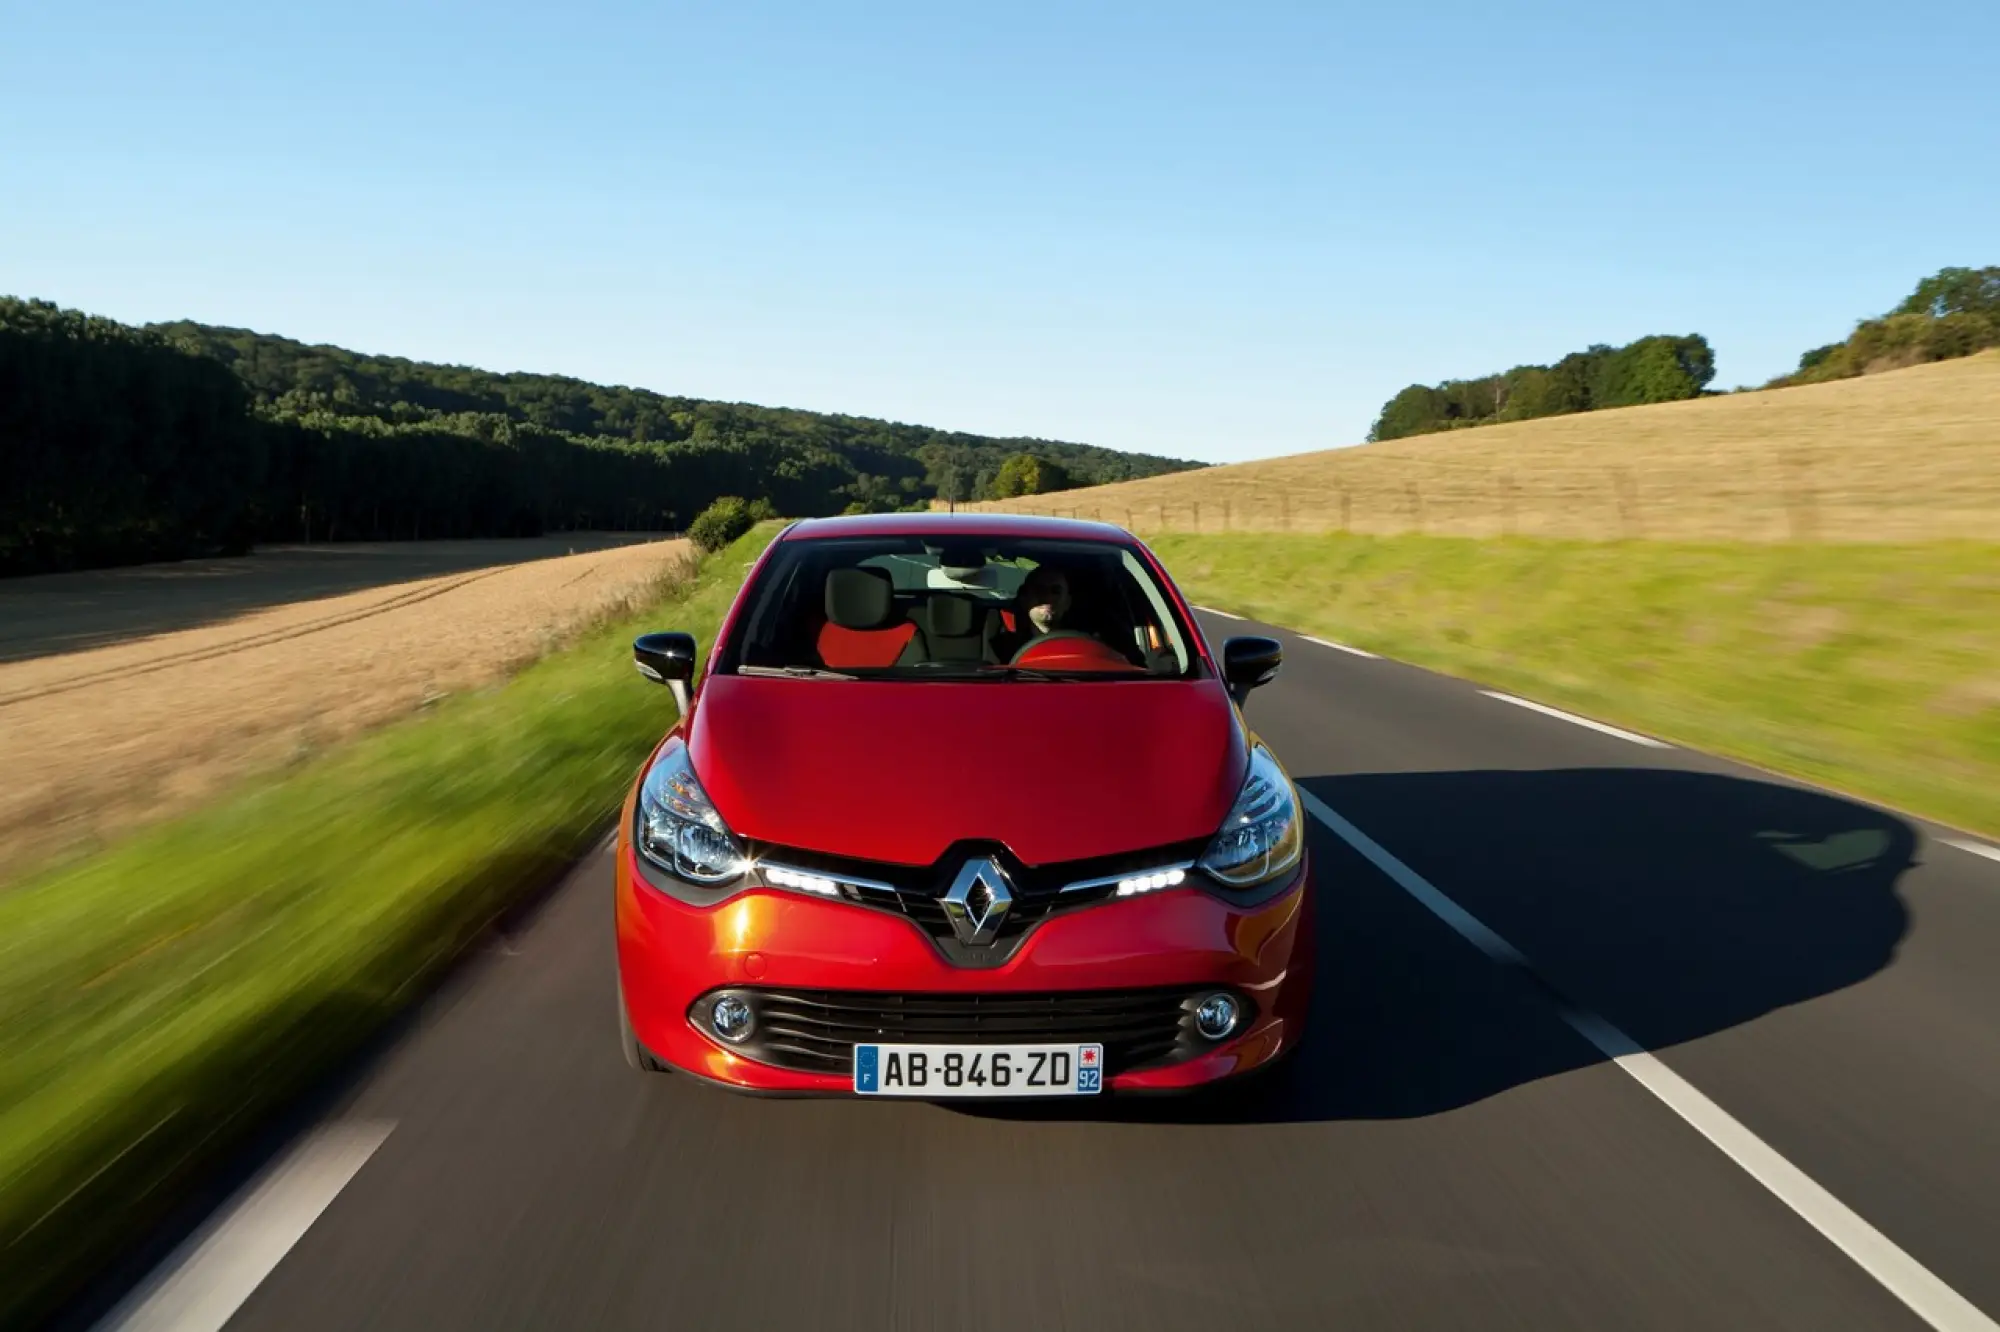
{"x": 1450, "y": 1152}
{"x": 69, "y": 612}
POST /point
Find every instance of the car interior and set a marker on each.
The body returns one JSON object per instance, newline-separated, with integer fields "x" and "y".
{"x": 847, "y": 607}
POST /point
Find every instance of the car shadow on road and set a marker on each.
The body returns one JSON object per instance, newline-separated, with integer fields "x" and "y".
{"x": 1677, "y": 904}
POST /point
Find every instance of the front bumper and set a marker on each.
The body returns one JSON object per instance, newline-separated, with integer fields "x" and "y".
{"x": 670, "y": 954}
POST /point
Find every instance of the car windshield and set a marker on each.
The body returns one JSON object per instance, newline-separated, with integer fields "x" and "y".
{"x": 959, "y": 608}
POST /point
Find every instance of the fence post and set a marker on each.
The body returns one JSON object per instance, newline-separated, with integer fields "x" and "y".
{"x": 1225, "y": 515}
{"x": 1197, "y": 515}
{"x": 1628, "y": 501}
{"x": 1163, "y": 517}
{"x": 1800, "y": 502}
{"x": 1416, "y": 499}
{"x": 1128, "y": 519}
{"x": 1346, "y": 508}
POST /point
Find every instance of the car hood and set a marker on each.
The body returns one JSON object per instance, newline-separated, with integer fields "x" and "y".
{"x": 898, "y": 771}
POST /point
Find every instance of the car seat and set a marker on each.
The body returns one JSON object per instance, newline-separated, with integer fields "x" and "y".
{"x": 953, "y": 628}
{"x": 860, "y": 604}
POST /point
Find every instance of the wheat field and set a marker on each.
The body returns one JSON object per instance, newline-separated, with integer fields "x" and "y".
{"x": 117, "y": 735}
{"x": 1911, "y": 455}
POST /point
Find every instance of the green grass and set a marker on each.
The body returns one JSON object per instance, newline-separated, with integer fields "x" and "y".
{"x": 157, "y": 998}
{"x": 1869, "y": 669}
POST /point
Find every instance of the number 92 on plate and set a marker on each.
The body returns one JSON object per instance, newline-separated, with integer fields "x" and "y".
{"x": 938, "y": 1071}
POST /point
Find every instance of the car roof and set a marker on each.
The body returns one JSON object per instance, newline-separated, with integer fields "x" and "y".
{"x": 957, "y": 525}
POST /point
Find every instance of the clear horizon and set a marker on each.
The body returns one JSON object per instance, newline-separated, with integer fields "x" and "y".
{"x": 1161, "y": 229}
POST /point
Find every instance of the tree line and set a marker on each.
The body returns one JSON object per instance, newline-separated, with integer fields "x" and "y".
{"x": 121, "y": 444}
{"x": 1953, "y": 312}
{"x": 1661, "y": 368}
{"x": 894, "y": 465}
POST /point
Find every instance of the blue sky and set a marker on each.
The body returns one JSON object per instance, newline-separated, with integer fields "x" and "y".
{"x": 1214, "y": 231}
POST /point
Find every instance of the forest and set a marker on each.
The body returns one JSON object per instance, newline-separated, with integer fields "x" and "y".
{"x": 121, "y": 444}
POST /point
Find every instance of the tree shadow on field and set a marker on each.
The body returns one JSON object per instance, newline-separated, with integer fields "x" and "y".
{"x": 47, "y": 614}
{"x": 1676, "y": 904}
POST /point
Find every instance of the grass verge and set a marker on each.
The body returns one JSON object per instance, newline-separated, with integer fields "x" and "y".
{"x": 157, "y": 998}
{"x": 1869, "y": 669}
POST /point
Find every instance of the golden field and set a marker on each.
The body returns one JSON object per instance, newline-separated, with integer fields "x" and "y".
{"x": 131, "y": 732}
{"x": 1911, "y": 455}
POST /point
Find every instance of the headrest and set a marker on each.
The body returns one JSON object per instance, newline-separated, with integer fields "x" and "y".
{"x": 950, "y": 617}
{"x": 858, "y": 598}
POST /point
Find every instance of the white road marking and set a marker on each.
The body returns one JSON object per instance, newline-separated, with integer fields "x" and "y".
{"x": 1575, "y": 720}
{"x": 1976, "y": 848}
{"x": 1210, "y": 610}
{"x": 205, "y": 1281}
{"x": 1340, "y": 647}
{"x": 1901, "y": 1275}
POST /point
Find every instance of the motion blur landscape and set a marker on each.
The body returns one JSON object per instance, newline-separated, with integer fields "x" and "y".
{"x": 1645, "y": 695}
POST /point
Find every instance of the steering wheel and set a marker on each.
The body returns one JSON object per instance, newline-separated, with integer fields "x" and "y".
{"x": 1071, "y": 650}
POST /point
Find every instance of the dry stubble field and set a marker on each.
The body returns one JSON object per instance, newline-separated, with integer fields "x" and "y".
{"x": 96, "y": 740}
{"x": 1911, "y": 455}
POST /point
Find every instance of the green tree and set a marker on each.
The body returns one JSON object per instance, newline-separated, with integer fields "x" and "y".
{"x": 1960, "y": 291}
{"x": 1414, "y": 411}
{"x": 1954, "y": 312}
{"x": 1028, "y": 474}
{"x": 721, "y": 523}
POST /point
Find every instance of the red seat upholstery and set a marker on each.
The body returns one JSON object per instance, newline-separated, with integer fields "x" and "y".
{"x": 841, "y": 648}
{"x": 859, "y": 606}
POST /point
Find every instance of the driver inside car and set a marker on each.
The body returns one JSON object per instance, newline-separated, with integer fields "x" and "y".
{"x": 1041, "y": 607}
{"x": 1044, "y": 600}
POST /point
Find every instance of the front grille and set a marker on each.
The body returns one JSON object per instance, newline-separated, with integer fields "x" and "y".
{"x": 916, "y": 892}
{"x": 927, "y": 910}
{"x": 815, "y": 1031}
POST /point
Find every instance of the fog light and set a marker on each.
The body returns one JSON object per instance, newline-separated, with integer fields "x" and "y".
{"x": 1216, "y": 1016}
{"x": 732, "y": 1020}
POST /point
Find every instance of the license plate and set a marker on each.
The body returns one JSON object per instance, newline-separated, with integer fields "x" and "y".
{"x": 938, "y": 1071}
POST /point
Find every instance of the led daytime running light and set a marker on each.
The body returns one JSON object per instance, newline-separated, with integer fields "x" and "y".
{"x": 779, "y": 877}
{"x": 1146, "y": 883}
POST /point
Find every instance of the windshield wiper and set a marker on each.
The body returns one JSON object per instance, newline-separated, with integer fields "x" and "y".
{"x": 1029, "y": 673}
{"x": 796, "y": 672}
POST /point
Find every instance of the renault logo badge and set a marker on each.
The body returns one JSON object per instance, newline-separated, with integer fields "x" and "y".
{"x": 977, "y": 902}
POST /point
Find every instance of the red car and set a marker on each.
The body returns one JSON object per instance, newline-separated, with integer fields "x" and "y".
{"x": 963, "y": 805}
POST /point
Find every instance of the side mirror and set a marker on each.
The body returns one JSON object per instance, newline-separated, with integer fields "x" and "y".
{"x": 1248, "y": 662}
{"x": 668, "y": 659}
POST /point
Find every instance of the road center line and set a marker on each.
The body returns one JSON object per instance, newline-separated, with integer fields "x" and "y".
{"x": 203, "y": 1283}
{"x": 1976, "y": 848}
{"x": 1210, "y": 610}
{"x": 1575, "y": 720}
{"x": 1901, "y": 1275}
{"x": 1340, "y": 647}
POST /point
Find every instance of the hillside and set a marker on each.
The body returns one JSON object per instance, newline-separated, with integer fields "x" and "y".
{"x": 291, "y": 377}
{"x": 1905, "y": 455}
{"x": 122, "y": 445}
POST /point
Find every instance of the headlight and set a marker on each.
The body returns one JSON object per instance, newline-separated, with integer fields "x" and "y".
{"x": 1263, "y": 836}
{"x": 679, "y": 829}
